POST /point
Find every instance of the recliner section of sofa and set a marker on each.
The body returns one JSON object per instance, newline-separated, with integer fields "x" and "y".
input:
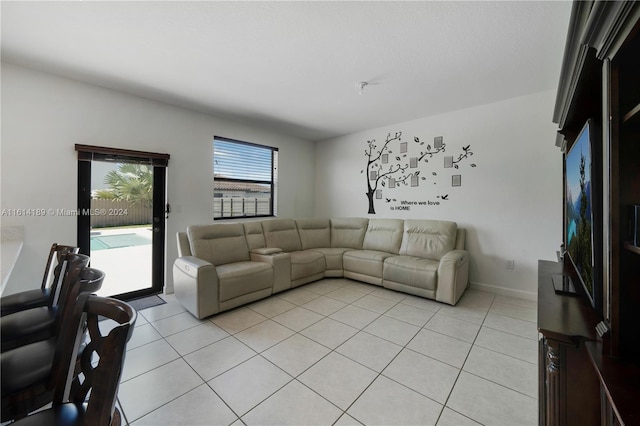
{"x": 344, "y": 234}
{"x": 306, "y": 265}
{"x": 219, "y": 274}
{"x": 381, "y": 241}
{"x": 424, "y": 243}
{"x": 221, "y": 266}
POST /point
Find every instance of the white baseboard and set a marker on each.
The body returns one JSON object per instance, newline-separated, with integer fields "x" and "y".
{"x": 520, "y": 294}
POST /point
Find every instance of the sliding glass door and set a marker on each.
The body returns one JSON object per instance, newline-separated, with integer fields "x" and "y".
{"x": 121, "y": 220}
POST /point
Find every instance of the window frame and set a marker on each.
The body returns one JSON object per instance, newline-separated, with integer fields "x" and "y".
{"x": 272, "y": 182}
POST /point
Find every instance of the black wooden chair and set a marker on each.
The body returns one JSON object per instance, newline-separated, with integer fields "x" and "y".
{"x": 85, "y": 391}
{"x": 38, "y": 297}
{"x": 40, "y": 323}
{"x": 26, "y": 371}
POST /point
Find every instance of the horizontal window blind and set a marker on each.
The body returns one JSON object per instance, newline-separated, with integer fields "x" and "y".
{"x": 244, "y": 179}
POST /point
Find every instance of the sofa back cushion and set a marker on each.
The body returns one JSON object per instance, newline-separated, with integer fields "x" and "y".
{"x": 282, "y": 233}
{"x": 314, "y": 233}
{"x": 254, "y": 235}
{"x": 460, "y": 238}
{"x": 348, "y": 232}
{"x": 383, "y": 235}
{"x": 219, "y": 243}
{"x": 429, "y": 239}
{"x": 184, "y": 249}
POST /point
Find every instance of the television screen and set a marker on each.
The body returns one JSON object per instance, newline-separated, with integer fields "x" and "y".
{"x": 579, "y": 209}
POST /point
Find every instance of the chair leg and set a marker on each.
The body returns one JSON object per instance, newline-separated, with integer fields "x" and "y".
{"x": 116, "y": 420}
{"x": 121, "y": 412}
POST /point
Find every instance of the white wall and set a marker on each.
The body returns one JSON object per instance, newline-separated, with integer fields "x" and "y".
{"x": 510, "y": 203}
{"x": 43, "y": 116}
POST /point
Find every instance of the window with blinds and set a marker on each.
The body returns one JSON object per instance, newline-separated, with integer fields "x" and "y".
{"x": 245, "y": 177}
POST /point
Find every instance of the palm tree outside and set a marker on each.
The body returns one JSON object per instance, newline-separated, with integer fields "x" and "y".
{"x": 125, "y": 192}
{"x": 129, "y": 182}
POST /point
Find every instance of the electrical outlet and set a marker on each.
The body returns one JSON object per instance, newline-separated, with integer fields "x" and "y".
{"x": 511, "y": 264}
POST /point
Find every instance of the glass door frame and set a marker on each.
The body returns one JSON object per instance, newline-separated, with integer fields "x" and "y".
{"x": 87, "y": 154}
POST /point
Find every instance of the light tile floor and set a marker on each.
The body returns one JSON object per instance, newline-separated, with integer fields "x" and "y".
{"x": 336, "y": 352}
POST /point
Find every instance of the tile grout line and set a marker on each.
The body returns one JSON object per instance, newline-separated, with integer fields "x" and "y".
{"x": 344, "y": 412}
{"x": 462, "y": 366}
{"x": 295, "y": 378}
{"x": 332, "y": 350}
{"x": 206, "y": 382}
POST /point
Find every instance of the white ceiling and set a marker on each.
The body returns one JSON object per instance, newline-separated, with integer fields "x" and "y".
{"x": 294, "y": 66}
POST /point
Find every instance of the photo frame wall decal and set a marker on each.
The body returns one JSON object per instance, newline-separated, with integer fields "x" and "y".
{"x": 399, "y": 164}
{"x": 448, "y": 162}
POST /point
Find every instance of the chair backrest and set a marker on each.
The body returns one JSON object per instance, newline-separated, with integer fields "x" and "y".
{"x": 77, "y": 378}
{"x": 67, "y": 271}
{"x": 79, "y": 280}
{"x": 56, "y": 254}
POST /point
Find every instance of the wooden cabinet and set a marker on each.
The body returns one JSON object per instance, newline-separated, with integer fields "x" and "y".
{"x": 625, "y": 193}
{"x": 600, "y": 81}
{"x": 568, "y": 385}
{"x": 619, "y": 387}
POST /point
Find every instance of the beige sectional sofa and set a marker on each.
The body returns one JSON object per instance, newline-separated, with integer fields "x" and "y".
{"x": 225, "y": 265}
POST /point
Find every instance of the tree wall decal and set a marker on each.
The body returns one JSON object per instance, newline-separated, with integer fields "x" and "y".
{"x": 390, "y": 165}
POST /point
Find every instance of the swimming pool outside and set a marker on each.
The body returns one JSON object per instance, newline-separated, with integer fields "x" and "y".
{"x": 106, "y": 242}
{"x": 125, "y": 256}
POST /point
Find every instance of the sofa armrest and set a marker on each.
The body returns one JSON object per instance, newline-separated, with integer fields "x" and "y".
{"x": 453, "y": 276}
{"x": 195, "y": 283}
{"x": 281, "y": 263}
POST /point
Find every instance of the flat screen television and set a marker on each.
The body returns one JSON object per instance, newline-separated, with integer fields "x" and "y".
{"x": 582, "y": 207}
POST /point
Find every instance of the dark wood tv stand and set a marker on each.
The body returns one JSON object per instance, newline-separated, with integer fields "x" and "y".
{"x": 569, "y": 390}
{"x": 578, "y": 384}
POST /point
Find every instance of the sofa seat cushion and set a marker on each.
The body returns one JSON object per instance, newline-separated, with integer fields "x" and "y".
{"x": 239, "y": 278}
{"x": 412, "y": 271}
{"x": 333, "y": 257}
{"x": 306, "y": 263}
{"x": 366, "y": 262}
